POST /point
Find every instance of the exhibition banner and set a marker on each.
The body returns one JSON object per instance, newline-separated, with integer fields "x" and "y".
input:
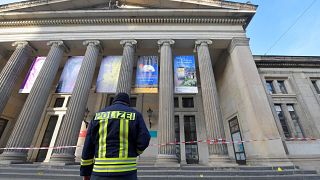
{"x": 185, "y": 79}
{"x": 69, "y": 74}
{"x": 147, "y": 75}
{"x": 109, "y": 74}
{"x": 32, "y": 74}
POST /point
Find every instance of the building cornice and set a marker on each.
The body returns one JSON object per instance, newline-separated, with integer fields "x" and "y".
{"x": 286, "y": 64}
{"x": 123, "y": 20}
{"x": 204, "y": 3}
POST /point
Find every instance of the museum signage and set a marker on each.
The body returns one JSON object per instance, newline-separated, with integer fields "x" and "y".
{"x": 32, "y": 74}
{"x": 109, "y": 74}
{"x": 185, "y": 79}
{"x": 147, "y": 75}
{"x": 69, "y": 74}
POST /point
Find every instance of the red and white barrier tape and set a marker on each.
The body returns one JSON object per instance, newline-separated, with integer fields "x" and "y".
{"x": 209, "y": 141}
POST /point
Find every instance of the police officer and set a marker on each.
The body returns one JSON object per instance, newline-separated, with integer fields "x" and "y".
{"x": 115, "y": 137}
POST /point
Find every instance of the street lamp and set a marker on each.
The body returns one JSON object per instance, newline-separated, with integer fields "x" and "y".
{"x": 85, "y": 117}
{"x": 149, "y": 111}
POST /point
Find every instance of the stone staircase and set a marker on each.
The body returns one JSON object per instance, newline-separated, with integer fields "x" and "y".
{"x": 149, "y": 172}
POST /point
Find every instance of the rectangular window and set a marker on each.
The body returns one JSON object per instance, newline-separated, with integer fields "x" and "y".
{"x": 295, "y": 120}
{"x": 282, "y": 121}
{"x": 58, "y": 102}
{"x": 315, "y": 85}
{"x": 133, "y": 102}
{"x": 187, "y": 102}
{"x": 176, "y": 102}
{"x": 177, "y": 136}
{"x": 3, "y": 124}
{"x": 47, "y": 138}
{"x": 282, "y": 87}
{"x": 190, "y": 134}
{"x": 270, "y": 87}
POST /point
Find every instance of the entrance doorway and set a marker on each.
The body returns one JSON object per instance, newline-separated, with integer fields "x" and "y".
{"x": 185, "y": 130}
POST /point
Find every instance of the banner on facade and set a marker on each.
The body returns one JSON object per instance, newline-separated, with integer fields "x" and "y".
{"x": 32, "y": 74}
{"x": 185, "y": 79}
{"x": 147, "y": 75}
{"x": 109, "y": 74}
{"x": 69, "y": 74}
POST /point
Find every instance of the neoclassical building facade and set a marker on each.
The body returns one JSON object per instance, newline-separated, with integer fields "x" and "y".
{"x": 187, "y": 65}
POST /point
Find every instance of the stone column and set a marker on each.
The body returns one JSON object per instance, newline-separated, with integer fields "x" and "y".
{"x": 317, "y": 83}
{"x": 167, "y": 152}
{"x": 252, "y": 108}
{"x": 12, "y": 70}
{"x": 70, "y": 127}
{"x": 288, "y": 120}
{"x": 125, "y": 76}
{"x": 276, "y": 87}
{"x": 211, "y": 107}
{"x": 30, "y": 115}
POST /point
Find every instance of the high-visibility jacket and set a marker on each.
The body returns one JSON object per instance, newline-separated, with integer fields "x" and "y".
{"x": 115, "y": 137}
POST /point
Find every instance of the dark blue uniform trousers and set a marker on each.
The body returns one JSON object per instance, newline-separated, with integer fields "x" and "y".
{"x": 128, "y": 177}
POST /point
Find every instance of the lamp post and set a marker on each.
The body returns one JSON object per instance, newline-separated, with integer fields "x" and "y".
{"x": 85, "y": 117}
{"x": 149, "y": 111}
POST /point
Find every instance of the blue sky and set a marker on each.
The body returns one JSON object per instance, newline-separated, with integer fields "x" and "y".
{"x": 273, "y": 18}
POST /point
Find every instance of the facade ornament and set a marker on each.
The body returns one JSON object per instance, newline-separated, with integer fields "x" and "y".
{"x": 94, "y": 43}
{"x": 122, "y": 20}
{"x": 199, "y": 42}
{"x": 59, "y": 43}
{"x": 23, "y": 44}
{"x": 128, "y": 42}
{"x": 165, "y": 42}
{"x": 238, "y": 41}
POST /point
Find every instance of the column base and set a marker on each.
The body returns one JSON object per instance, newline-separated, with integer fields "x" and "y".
{"x": 221, "y": 161}
{"x": 13, "y": 158}
{"x": 164, "y": 160}
{"x": 61, "y": 159}
{"x": 269, "y": 162}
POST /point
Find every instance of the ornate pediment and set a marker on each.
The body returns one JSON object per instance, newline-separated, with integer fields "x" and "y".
{"x": 58, "y": 5}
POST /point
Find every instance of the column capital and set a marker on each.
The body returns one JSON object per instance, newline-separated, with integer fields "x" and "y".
{"x": 165, "y": 42}
{"x": 59, "y": 43}
{"x": 93, "y": 43}
{"x": 203, "y": 42}
{"x": 238, "y": 41}
{"x": 23, "y": 44}
{"x": 128, "y": 42}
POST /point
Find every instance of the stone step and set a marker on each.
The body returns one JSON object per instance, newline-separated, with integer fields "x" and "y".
{"x": 145, "y": 172}
{"x": 156, "y": 171}
{"x": 27, "y": 176}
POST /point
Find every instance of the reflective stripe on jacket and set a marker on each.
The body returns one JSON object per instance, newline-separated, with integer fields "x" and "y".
{"x": 115, "y": 137}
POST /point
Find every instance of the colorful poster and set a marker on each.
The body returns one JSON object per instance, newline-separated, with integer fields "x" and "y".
{"x": 109, "y": 74}
{"x": 69, "y": 74}
{"x": 32, "y": 74}
{"x": 147, "y": 75}
{"x": 185, "y": 79}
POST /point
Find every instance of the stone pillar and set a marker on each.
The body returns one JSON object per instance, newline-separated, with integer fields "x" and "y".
{"x": 12, "y": 70}
{"x": 70, "y": 127}
{"x": 30, "y": 115}
{"x": 317, "y": 83}
{"x": 288, "y": 120}
{"x": 252, "y": 108}
{"x": 211, "y": 107}
{"x": 125, "y": 76}
{"x": 276, "y": 87}
{"x": 166, "y": 152}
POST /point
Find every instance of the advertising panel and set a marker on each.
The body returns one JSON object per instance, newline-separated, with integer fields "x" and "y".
{"x": 69, "y": 74}
{"x": 109, "y": 74}
{"x": 147, "y": 75}
{"x": 32, "y": 74}
{"x": 185, "y": 79}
